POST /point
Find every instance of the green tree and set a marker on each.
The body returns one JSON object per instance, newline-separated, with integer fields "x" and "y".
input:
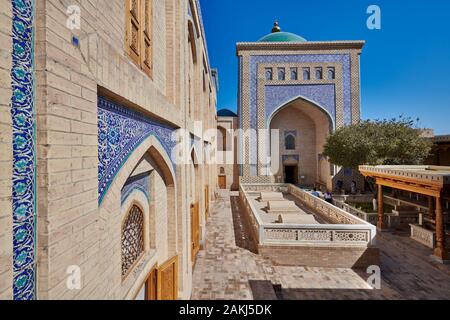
{"x": 378, "y": 142}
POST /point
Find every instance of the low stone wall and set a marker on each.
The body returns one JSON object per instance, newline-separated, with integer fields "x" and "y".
{"x": 346, "y": 241}
{"x": 322, "y": 256}
{"x": 423, "y": 236}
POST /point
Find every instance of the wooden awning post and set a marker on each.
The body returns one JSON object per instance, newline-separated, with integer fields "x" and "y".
{"x": 380, "y": 223}
{"x": 431, "y": 208}
{"x": 440, "y": 251}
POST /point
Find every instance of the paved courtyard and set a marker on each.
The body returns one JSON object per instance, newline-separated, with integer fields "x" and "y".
{"x": 229, "y": 268}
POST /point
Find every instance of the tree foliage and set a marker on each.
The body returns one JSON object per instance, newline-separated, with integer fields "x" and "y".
{"x": 378, "y": 142}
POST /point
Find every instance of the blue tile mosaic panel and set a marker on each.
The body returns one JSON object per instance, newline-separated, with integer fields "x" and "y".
{"x": 323, "y": 95}
{"x": 120, "y": 132}
{"x": 24, "y": 163}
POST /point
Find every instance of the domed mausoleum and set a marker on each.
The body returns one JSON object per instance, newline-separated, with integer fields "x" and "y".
{"x": 302, "y": 91}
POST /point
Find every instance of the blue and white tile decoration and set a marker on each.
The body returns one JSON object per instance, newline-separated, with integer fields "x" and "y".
{"x": 120, "y": 132}
{"x": 24, "y": 163}
{"x": 140, "y": 183}
{"x": 295, "y": 157}
{"x": 324, "y": 95}
{"x": 344, "y": 59}
{"x": 290, "y": 132}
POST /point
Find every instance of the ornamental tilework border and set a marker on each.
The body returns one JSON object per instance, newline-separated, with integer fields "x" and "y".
{"x": 24, "y": 142}
{"x": 120, "y": 132}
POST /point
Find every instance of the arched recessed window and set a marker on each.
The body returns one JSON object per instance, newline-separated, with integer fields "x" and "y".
{"x": 294, "y": 75}
{"x": 223, "y": 141}
{"x": 306, "y": 74}
{"x": 319, "y": 74}
{"x": 289, "y": 142}
{"x": 132, "y": 239}
{"x": 281, "y": 74}
{"x": 331, "y": 73}
{"x": 269, "y": 74}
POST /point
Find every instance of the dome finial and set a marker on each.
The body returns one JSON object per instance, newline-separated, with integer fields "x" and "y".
{"x": 276, "y": 27}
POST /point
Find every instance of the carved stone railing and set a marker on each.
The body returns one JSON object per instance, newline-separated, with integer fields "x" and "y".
{"x": 423, "y": 236}
{"x": 342, "y": 228}
{"x": 370, "y": 217}
{"x": 315, "y": 234}
{"x": 328, "y": 211}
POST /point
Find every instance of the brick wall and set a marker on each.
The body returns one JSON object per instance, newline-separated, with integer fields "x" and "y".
{"x": 326, "y": 257}
{"x": 72, "y": 229}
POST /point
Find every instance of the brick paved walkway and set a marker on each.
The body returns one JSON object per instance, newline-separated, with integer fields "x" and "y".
{"x": 228, "y": 268}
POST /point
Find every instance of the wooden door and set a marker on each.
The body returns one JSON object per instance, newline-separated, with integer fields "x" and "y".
{"x": 167, "y": 280}
{"x": 222, "y": 182}
{"x": 207, "y": 202}
{"x": 151, "y": 285}
{"x": 195, "y": 230}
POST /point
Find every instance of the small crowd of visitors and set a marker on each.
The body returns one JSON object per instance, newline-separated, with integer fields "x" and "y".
{"x": 327, "y": 196}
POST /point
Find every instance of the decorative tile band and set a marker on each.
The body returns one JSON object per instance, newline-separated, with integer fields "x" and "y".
{"x": 24, "y": 164}
{"x": 120, "y": 132}
{"x": 294, "y": 157}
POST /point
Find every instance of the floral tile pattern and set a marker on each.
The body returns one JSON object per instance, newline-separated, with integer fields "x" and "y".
{"x": 120, "y": 132}
{"x": 23, "y": 121}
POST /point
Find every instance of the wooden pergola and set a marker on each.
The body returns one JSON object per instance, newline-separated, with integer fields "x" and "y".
{"x": 431, "y": 181}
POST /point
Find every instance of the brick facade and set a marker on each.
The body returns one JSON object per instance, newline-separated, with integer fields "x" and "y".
{"x": 74, "y": 68}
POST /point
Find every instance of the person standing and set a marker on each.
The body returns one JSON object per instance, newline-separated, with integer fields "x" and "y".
{"x": 315, "y": 193}
{"x": 328, "y": 197}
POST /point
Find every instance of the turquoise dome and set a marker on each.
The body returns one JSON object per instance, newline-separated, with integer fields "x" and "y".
{"x": 282, "y": 37}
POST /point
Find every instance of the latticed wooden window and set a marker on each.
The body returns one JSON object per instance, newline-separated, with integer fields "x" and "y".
{"x": 132, "y": 239}
{"x": 138, "y": 33}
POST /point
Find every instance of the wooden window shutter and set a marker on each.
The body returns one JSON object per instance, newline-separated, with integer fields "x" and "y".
{"x": 133, "y": 29}
{"x": 146, "y": 53}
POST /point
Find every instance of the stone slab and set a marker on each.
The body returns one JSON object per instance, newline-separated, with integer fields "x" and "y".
{"x": 271, "y": 196}
{"x": 282, "y": 207}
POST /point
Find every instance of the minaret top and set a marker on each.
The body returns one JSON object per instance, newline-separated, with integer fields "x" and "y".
{"x": 276, "y": 27}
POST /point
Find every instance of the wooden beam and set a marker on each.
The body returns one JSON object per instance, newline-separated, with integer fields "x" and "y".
{"x": 420, "y": 189}
{"x": 405, "y": 179}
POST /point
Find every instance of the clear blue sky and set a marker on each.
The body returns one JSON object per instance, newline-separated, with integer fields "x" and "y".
{"x": 405, "y": 66}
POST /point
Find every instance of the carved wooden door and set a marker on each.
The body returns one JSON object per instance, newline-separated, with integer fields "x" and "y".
{"x": 195, "y": 231}
{"x": 207, "y": 202}
{"x": 151, "y": 286}
{"x": 222, "y": 182}
{"x": 167, "y": 281}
